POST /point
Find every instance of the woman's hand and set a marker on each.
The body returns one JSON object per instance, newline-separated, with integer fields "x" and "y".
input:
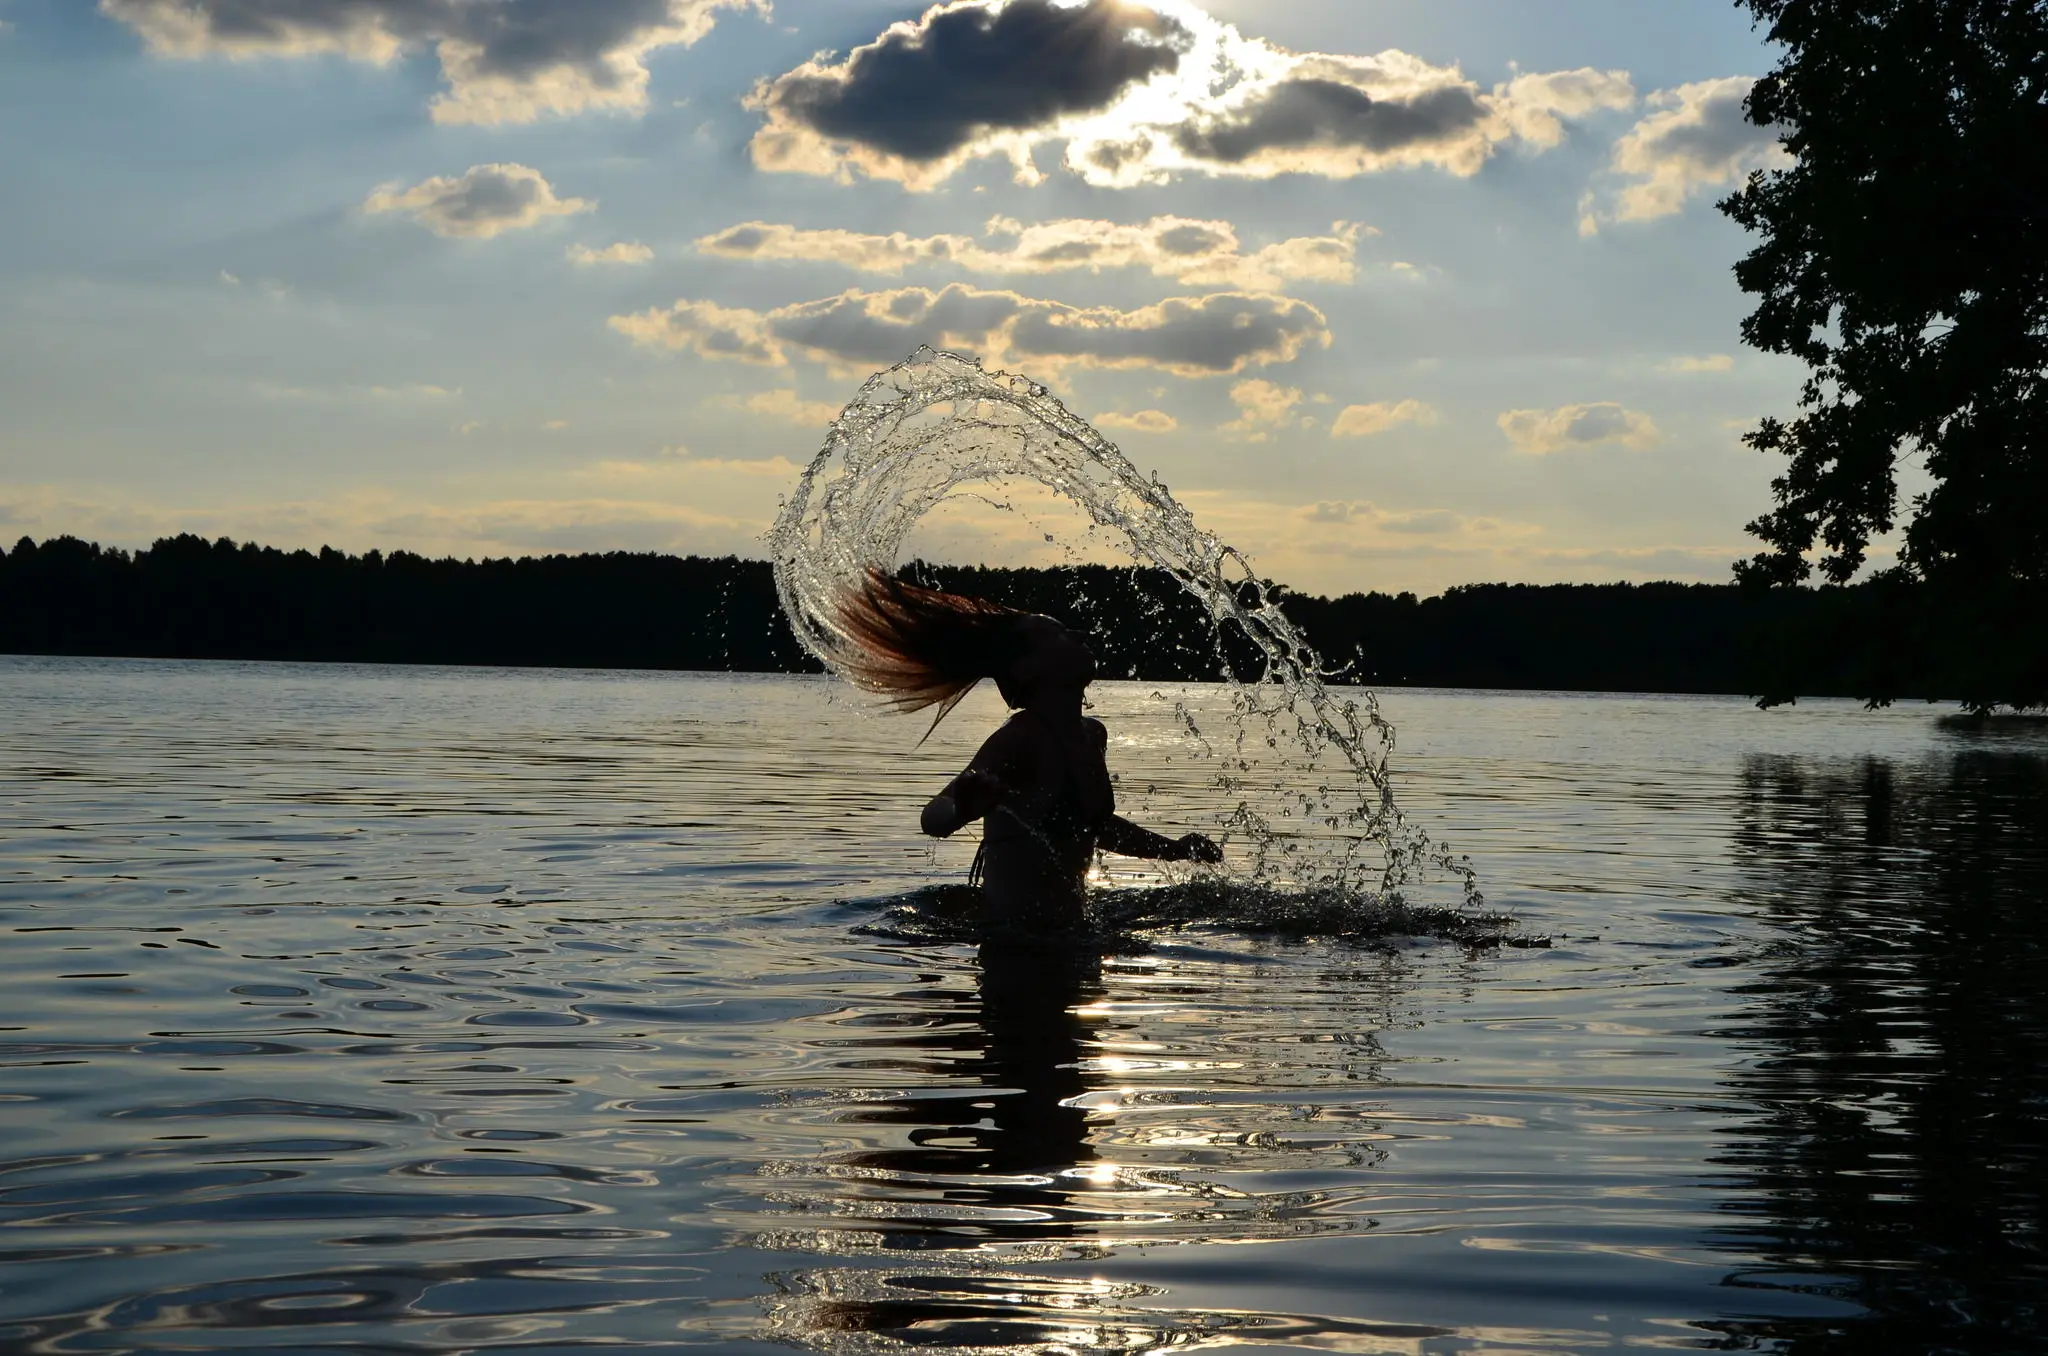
{"x": 1195, "y": 847}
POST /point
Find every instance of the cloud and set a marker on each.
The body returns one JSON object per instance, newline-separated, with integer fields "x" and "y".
{"x": 524, "y": 527}
{"x": 1192, "y": 251}
{"x": 1363, "y": 421}
{"x": 1359, "y": 513}
{"x": 706, "y": 329}
{"x": 1641, "y": 562}
{"x": 1220, "y": 334}
{"x": 1140, "y": 93}
{"x": 1262, "y": 407}
{"x": 1712, "y": 362}
{"x": 1536, "y": 107}
{"x": 1539, "y": 432}
{"x": 679, "y": 465}
{"x": 619, "y": 252}
{"x": 621, "y": 516}
{"x": 483, "y": 201}
{"x": 504, "y": 60}
{"x": 849, "y": 249}
{"x": 785, "y": 406}
{"x": 1343, "y": 116}
{"x": 964, "y": 80}
{"x": 403, "y": 392}
{"x": 1138, "y": 421}
{"x": 1697, "y": 139}
{"x": 1322, "y": 546}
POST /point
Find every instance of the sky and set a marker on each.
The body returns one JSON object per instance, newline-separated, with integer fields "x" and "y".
{"x": 1395, "y": 294}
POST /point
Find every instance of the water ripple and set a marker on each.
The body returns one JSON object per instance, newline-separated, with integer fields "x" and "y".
{"x": 430, "y": 1011}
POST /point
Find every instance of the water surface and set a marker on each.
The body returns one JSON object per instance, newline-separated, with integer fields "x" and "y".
{"x": 396, "y": 1010}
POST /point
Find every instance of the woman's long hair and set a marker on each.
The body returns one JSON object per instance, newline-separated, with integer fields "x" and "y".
{"x": 921, "y": 647}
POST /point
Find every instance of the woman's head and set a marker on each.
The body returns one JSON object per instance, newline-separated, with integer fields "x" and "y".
{"x": 925, "y": 648}
{"x": 1053, "y": 657}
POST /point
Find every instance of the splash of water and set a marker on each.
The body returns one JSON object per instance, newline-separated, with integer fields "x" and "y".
{"x": 936, "y": 426}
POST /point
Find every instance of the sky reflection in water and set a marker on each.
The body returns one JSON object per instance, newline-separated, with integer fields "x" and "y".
{"x": 407, "y": 1010}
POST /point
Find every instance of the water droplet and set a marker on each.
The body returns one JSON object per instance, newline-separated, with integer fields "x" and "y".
{"x": 937, "y": 425}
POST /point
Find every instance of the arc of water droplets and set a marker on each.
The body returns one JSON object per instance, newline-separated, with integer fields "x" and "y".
{"x": 918, "y": 432}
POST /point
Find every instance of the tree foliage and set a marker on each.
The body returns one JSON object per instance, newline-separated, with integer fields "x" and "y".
{"x": 1904, "y": 259}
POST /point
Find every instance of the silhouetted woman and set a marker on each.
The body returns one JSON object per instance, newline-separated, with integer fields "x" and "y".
{"x": 1040, "y": 783}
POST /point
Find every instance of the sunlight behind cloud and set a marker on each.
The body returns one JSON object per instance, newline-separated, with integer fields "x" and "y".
{"x": 1150, "y": 92}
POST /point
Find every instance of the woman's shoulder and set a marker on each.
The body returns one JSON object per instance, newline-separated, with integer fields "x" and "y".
{"x": 1010, "y": 738}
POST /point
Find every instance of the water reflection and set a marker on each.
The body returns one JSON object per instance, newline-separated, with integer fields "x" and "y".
{"x": 1898, "y": 1052}
{"x": 1014, "y": 1160}
{"x": 1024, "y": 1124}
{"x": 991, "y": 1160}
{"x": 992, "y": 1157}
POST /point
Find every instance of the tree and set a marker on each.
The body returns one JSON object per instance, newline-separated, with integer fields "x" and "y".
{"x": 1903, "y": 259}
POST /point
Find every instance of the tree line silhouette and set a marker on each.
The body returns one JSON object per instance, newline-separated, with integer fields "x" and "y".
{"x": 187, "y": 597}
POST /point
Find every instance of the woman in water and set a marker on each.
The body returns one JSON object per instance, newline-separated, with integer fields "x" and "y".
{"x": 1040, "y": 783}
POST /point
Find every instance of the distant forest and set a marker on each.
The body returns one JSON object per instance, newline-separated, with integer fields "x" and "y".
{"x": 187, "y": 597}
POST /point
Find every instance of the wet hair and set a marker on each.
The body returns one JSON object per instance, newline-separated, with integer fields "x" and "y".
{"x": 922, "y": 647}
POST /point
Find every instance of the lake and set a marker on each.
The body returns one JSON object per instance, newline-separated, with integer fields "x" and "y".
{"x": 434, "y": 1010}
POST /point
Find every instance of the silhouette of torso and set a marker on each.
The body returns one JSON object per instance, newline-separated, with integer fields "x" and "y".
{"x": 1038, "y": 843}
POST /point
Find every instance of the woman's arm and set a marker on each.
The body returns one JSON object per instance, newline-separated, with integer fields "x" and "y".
{"x": 1121, "y": 836}
{"x": 992, "y": 774}
{"x": 966, "y": 798}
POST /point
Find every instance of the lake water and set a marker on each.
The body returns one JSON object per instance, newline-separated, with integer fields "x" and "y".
{"x": 417, "y": 1010}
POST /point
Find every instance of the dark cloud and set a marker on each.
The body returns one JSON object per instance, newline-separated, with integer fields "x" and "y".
{"x": 1214, "y": 335}
{"x": 1194, "y": 336}
{"x": 506, "y": 60}
{"x": 521, "y": 38}
{"x": 876, "y": 329}
{"x": 1302, "y": 113}
{"x": 925, "y": 90}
